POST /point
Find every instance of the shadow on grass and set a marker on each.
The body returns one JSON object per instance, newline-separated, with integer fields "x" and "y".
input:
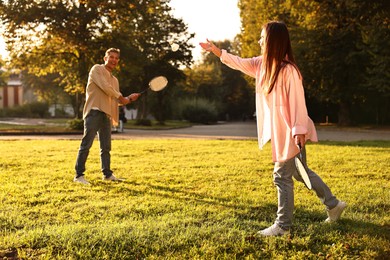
{"x": 309, "y": 233}
{"x": 321, "y": 238}
{"x": 266, "y": 212}
{"x": 9, "y": 253}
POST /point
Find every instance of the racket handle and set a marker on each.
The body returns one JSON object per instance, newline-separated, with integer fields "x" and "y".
{"x": 143, "y": 91}
{"x": 300, "y": 152}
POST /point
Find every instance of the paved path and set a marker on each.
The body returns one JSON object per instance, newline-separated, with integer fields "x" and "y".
{"x": 235, "y": 130}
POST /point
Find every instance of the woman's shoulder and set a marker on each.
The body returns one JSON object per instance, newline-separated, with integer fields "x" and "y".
{"x": 289, "y": 65}
{"x": 290, "y": 68}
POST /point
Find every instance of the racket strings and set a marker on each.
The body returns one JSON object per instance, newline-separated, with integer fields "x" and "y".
{"x": 158, "y": 83}
{"x": 303, "y": 172}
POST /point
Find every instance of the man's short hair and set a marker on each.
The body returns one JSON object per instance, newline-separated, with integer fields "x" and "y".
{"x": 112, "y": 50}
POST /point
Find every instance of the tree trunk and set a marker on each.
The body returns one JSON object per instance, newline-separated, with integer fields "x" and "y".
{"x": 77, "y": 102}
{"x": 344, "y": 114}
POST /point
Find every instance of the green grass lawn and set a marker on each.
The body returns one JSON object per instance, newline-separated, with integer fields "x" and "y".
{"x": 61, "y": 126}
{"x": 169, "y": 124}
{"x": 187, "y": 199}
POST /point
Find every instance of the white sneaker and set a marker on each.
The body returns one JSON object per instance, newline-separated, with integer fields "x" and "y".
{"x": 335, "y": 213}
{"x": 273, "y": 230}
{"x": 111, "y": 178}
{"x": 81, "y": 179}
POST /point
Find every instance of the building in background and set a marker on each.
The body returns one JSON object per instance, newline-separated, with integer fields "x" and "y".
{"x": 14, "y": 94}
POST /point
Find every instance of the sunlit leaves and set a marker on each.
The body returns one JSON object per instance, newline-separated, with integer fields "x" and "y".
{"x": 341, "y": 48}
{"x": 67, "y": 37}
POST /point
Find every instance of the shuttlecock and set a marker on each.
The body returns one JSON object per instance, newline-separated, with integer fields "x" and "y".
{"x": 174, "y": 46}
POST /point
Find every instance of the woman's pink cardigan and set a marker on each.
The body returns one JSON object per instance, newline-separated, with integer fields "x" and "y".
{"x": 282, "y": 114}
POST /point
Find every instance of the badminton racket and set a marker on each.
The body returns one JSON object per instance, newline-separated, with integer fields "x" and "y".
{"x": 156, "y": 84}
{"x": 301, "y": 169}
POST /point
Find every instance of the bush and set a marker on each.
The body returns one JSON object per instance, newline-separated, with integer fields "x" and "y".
{"x": 30, "y": 110}
{"x": 39, "y": 108}
{"x": 76, "y": 124}
{"x": 19, "y": 111}
{"x": 61, "y": 113}
{"x": 144, "y": 122}
{"x": 200, "y": 111}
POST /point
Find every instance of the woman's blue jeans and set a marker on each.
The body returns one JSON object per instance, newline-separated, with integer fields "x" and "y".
{"x": 283, "y": 180}
{"x": 95, "y": 122}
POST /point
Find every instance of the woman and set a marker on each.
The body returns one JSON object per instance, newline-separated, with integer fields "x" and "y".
{"x": 282, "y": 118}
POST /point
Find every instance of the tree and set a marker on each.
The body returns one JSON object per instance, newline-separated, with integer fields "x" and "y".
{"x": 255, "y": 13}
{"x": 220, "y": 85}
{"x": 68, "y": 36}
{"x": 341, "y": 48}
{"x": 46, "y": 88}
{"x": 235, "y": 92}
{"x": 376, "y": 44}
{"x": 335, "y": 56}
{"x": 150, "y": 28}
{"x": 3, "y": 73}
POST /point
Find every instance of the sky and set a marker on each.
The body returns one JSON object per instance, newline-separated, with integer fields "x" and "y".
{"x": 216, "y": 20}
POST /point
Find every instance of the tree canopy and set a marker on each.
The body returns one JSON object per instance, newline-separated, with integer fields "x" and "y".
{"x": 68, "y": 36}
{"x": 342, "y": 48}
{"x": 3, "y": 74}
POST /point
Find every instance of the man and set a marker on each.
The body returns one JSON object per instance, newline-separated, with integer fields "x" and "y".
{"x": 100, "y": 113}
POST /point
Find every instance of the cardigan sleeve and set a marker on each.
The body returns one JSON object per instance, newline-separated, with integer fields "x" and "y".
{"x": 296, "y": 102}
{"x": 248, "y": 66}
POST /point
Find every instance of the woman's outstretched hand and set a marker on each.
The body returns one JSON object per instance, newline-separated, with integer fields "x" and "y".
{"x": 210, "y": 47}
{"x": 207, "y": 46}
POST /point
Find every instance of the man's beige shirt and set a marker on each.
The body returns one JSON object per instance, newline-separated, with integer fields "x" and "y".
{"x": 102, "y": 93}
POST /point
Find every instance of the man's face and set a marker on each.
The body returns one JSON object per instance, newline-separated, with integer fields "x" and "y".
{"x": 111, "y": 60}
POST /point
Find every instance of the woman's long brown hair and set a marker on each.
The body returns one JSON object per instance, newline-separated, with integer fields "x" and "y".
{"x": 276, "y": 54}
